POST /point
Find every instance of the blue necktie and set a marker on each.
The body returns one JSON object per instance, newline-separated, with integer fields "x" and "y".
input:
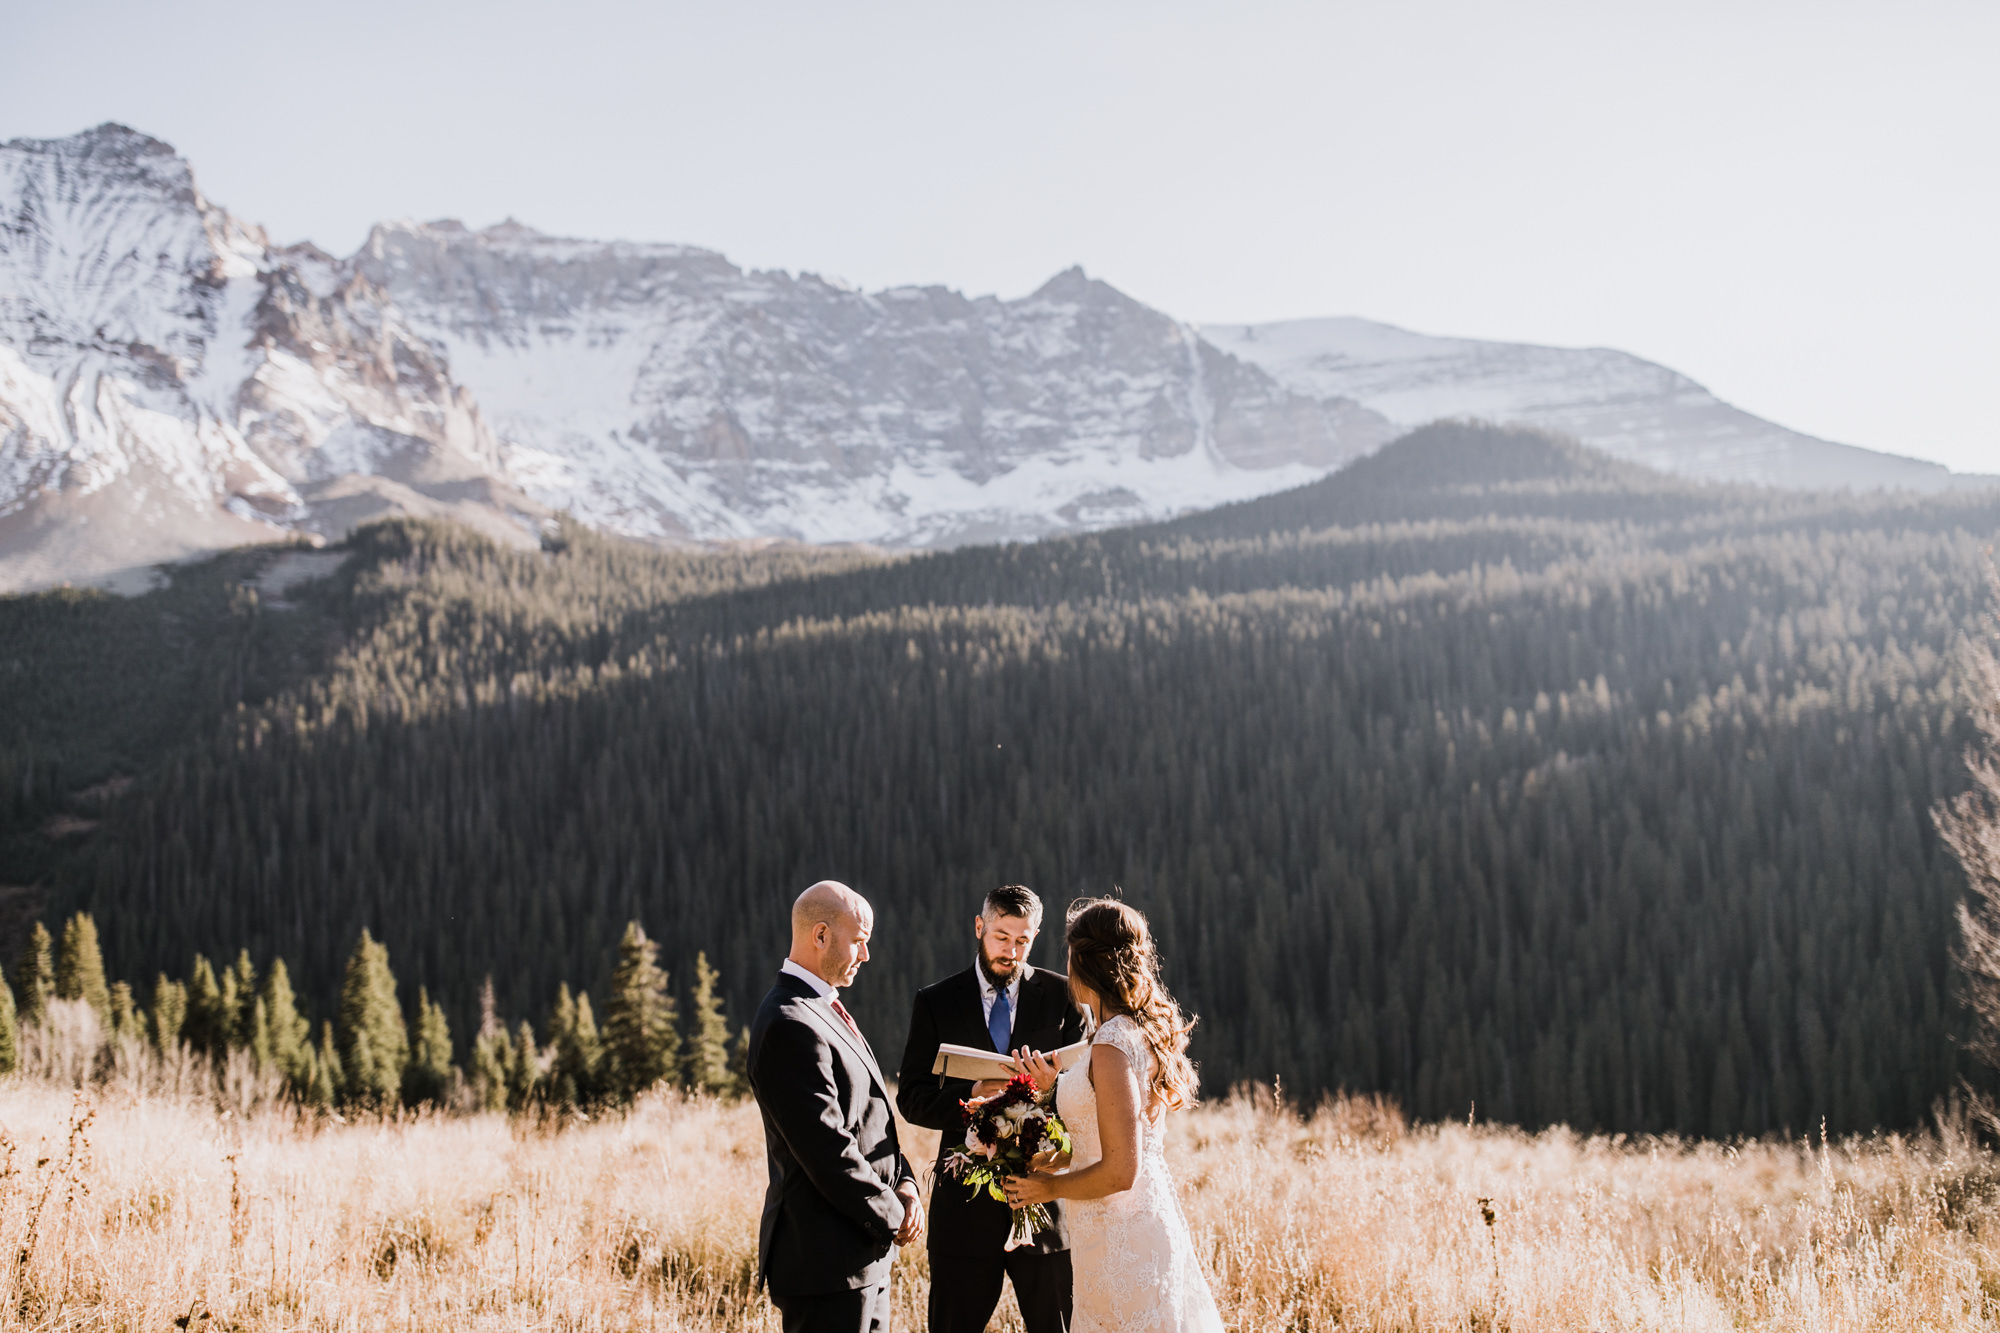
{"x": 1000, "y": 1023}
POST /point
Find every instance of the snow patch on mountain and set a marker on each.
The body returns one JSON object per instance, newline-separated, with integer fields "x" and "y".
{"x": 170, "y": 383}
{"x": 662, "y": 391}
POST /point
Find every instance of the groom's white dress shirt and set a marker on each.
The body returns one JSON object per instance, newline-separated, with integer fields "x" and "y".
{"x": 813, "y": 979}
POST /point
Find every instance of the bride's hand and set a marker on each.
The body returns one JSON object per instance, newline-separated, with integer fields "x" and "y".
{"x": 1052, "y": 1160}
{"x": 1025, "y": 1190}
{"x": 1037, "y": 1067}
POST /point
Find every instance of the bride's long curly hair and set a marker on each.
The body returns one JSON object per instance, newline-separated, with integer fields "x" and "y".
{"x": 1111, "y": 951}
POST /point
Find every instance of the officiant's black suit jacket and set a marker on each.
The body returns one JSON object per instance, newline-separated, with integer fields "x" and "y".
{"x": 831, "y": 1213}
{"x": 950, "y": 1011}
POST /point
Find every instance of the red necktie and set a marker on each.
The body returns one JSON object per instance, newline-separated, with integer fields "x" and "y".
{"x": 845, "y": 1017}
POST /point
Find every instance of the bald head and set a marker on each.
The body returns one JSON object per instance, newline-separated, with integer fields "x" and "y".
{"x": 827, "y": 901}
{"x": 831, "y": 924}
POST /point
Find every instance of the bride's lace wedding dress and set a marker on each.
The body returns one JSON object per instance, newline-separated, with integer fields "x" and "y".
{"x": 1135, "y": 1265}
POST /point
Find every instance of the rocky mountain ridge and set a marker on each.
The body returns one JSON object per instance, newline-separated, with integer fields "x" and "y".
{"x": 661, "y": 391}
{"x": 172, "y": 382}
{"x": 1629, "y": 407}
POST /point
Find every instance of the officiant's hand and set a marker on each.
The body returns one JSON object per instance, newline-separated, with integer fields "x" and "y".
{"x": 986, "y": 1088}
{"x": 1037, "y": 1067}
{"x": 913, "y": 1214}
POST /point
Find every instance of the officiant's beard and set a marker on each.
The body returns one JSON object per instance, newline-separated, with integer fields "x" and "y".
{"x": 1001, "y": 980}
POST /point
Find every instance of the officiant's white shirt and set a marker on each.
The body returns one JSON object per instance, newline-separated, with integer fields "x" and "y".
{"x": 987, "y": 994}
{"x": 813, "y": 979}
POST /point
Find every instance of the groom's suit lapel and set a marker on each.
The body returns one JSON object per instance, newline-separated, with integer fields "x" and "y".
{"x": 859, "y": 1045}
{"x": 830, "y": 1021}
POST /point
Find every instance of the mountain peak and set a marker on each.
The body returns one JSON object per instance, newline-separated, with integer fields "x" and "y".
{"x": 1466, "y": 453}
{"x": 108, "y": 137}
{"x": 1072, "y": 284}
{"x": 510, "y": 234}
{"x": 510, "y": 229}
{"x": 113, "y": 134}
{"x": 112, "y": 145}
{"x": 76, "y": 168}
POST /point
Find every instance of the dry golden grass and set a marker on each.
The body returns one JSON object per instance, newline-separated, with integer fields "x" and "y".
{"x": 130, "y": 1209}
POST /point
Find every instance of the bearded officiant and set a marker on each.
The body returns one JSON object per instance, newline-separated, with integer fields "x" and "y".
{"x": 1000, "y": 1003}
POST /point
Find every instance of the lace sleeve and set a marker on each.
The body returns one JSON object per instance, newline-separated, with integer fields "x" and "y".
{"x": 1123, "y": 1034}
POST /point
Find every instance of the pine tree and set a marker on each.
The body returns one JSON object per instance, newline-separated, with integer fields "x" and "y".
{"x": 524, "y": 1069}
{"x": 492, "y": 1070}
{"x": 35, "y": 976}
{"x": 328, "y": 1079}
{"x": 205, "y": 1027}
{"x": 239, "y": 1001}
{"x": 126, "y": 1022}
{"x": 374, "y": 1043}
{"x": 286, "y": 1033}
{"x": 576, "y": 1076}
{"x": 169, "y": 1017}
{"x": 259, "y": 1044}
{"x": 492, "y": 1055}
{"x": 430, "y": 1077}
{"x": 641, "y": 1040}
{"x": 10, "y": 1031}
{"x": 739, "y": 1062}
{"x": 708, "y": 1061}
{"x": 80, "y": 969}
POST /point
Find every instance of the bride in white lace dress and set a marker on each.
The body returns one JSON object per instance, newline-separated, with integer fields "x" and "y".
{"x": 1135, "y": 1265}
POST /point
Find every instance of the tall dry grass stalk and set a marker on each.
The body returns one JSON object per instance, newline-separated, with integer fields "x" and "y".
{"x": 127, "y": 1207}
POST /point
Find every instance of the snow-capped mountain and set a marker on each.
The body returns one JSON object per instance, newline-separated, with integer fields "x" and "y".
{"x": 1613, "y": 400}
{"x": 660, "y": 390}
{"x": 172, "y": 382}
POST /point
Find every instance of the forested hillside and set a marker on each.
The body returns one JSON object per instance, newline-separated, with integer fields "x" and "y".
{"x": 1487, "y": 770}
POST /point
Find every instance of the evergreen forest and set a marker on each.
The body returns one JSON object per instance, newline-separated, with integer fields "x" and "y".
{"x": 1488, "y": 773}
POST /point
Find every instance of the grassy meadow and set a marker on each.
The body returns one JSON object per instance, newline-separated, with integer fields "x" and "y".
{"x": 130, "y": 1205}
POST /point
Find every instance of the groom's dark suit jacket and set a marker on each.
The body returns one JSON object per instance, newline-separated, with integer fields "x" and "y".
{"x": 831, "y": 1212}
{"x": 950, "y": 1011}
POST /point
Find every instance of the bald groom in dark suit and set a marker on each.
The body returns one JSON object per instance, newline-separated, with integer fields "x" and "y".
{"x": 842, "y": 1195}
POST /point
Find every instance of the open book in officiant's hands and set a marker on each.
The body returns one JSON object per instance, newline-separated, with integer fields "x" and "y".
{"x": 979, "y": 1065}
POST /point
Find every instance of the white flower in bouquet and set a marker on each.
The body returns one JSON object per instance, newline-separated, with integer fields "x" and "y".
{"x": 1002, "y": 1136}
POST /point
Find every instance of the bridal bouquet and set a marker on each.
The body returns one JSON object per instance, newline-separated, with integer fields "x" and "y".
{"x": 1002, "y": 1136}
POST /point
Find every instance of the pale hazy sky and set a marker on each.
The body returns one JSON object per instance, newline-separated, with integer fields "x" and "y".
{"x": 1796, "y": 203}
